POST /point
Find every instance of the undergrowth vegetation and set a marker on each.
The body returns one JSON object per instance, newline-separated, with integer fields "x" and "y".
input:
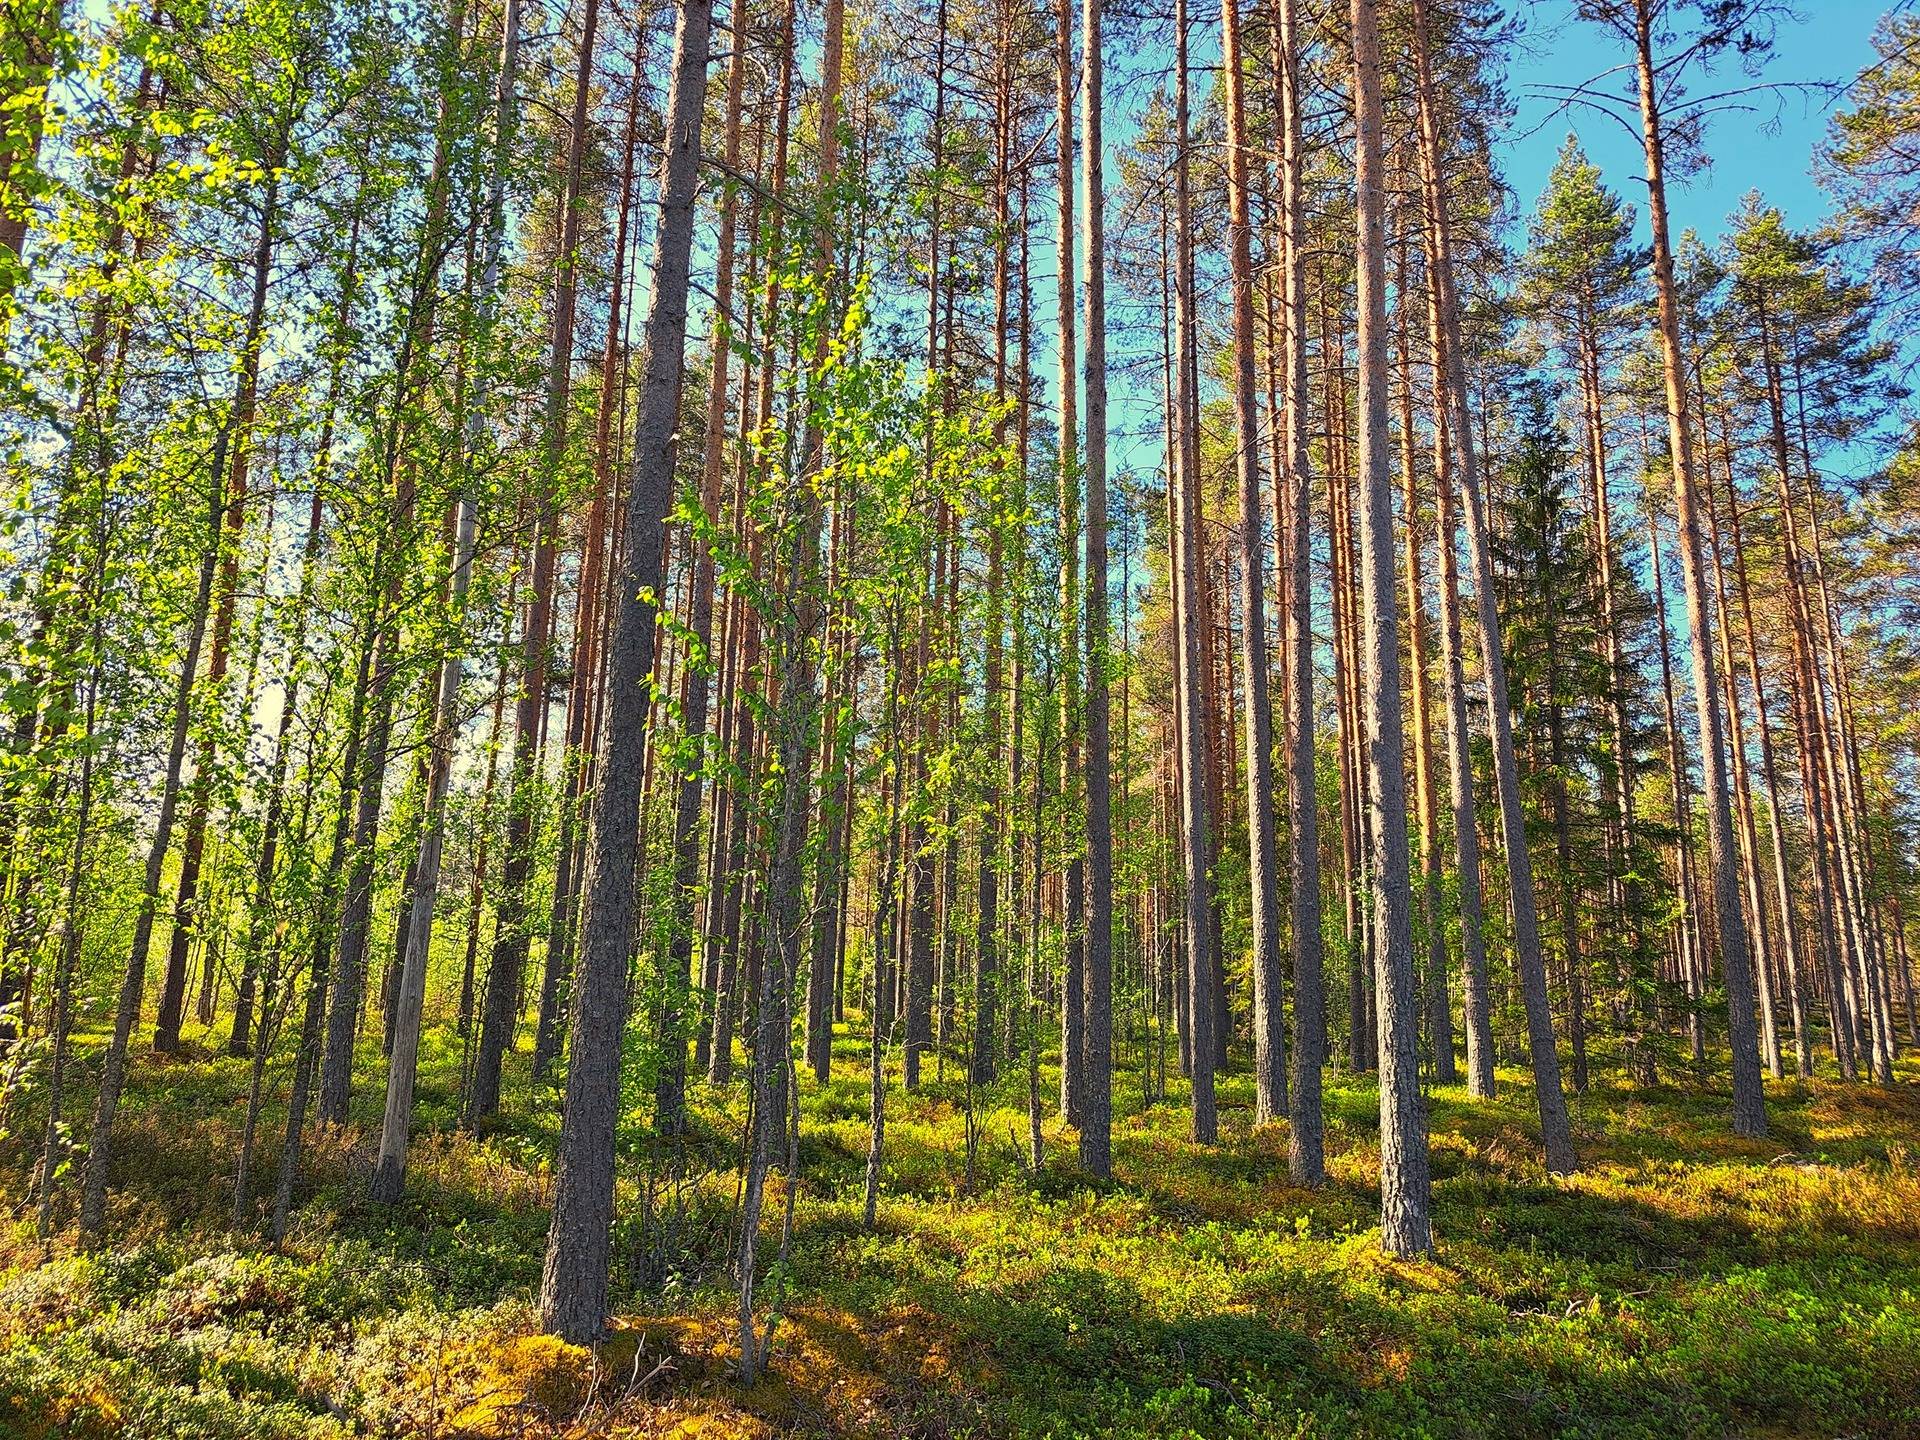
{"x": 1685, "y": 1283}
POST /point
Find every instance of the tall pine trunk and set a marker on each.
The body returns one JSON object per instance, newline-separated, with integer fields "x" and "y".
{"x": 1406, "y": 1228}
{"x": 1096, "y": 1102}
{"x": 1190, "y": 618}
{"x": 1073, "y": 906}
{"x": 1269, "y": 1023}
{"x": 1749, "y": 1097}
{"x": 1306, "y": 1159}
{"x": 573, "y": 1286}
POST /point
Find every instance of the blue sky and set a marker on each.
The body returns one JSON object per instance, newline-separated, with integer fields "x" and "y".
{"x": 1770, "y": 146}
{"x": 1767, "y": 142}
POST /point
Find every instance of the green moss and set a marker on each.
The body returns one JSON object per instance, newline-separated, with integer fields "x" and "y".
{"x": 1685, "y": 1283}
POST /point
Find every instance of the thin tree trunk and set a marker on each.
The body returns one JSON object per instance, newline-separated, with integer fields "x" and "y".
{"x": 1790, "y": 937}
{"x": 1073, "y": 957}
{"x": 992, "y": 841}
{"x": 348, "y": 988}
{"x": 1635, "y": 1003}
{"x": 513, "y": 932}
{"x": 1096, "y": 1098}
{"x": 1190, "y": 617}
{"x": 237, "y": 439}
{"x": 1742, "y": 781}
{"x": 1306, "y": 1161}
{"x": 239, "y": 1040}
{"x": 314, "y": 1011}
{"x": 1450, "y": 361}
{"x": 1439, "y": 1008}
{"x": 1269, "y": 1021}
{"x": 93, "y": 1200}
{"x": 1478, "y": 1007}
{"x": 589, "y": 614}
{"x": 68, "y": 960}
{"x": 796, "y": 716}
{"x": 389, "y": 1175}
{"x": 1685, "y": 922}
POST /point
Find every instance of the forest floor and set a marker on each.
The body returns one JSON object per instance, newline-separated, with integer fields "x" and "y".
{"x": 1685, "y": 1283}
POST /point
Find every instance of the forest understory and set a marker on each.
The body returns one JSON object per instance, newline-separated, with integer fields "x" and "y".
{"x": 1684, "y": 1283}
{"x": 959, "y": 718}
